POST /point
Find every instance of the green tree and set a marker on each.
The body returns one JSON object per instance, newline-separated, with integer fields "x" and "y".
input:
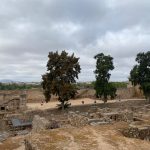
{"x": 103, "y": 88}
{"x": 62, "y": 72}
{"x": 140, "y": 74}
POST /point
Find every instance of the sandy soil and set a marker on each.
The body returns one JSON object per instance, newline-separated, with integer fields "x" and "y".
{"x": 53, "y": 104}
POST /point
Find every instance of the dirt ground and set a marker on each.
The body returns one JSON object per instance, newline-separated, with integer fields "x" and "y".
{"x": 100, "y": 137}
{"x": 53, "y": 104}
{"x": 104, "y": 137}
{"x": 14, "y": 143}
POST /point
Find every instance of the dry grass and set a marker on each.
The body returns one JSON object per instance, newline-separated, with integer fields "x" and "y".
{"x": 106, "y": 137}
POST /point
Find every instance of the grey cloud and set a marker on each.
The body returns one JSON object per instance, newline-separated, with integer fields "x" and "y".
{"x": 29, "y": 29}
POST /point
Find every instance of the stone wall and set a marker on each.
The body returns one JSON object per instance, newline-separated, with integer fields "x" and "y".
{"x": 81, "y": 119}
{"x": 77, "y": 120}
{"x": 140, "y": 132}
{"x": 39, "y": 124}
{"x": 120, "y": 116}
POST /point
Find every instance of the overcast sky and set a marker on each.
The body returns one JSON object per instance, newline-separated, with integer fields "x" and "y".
{"x": 29, "y": 29}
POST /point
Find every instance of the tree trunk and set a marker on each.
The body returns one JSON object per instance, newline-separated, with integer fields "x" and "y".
{"x": 149, "y": 99}
{"x": 105, "y": 101}
{"x": 62, "y": 104}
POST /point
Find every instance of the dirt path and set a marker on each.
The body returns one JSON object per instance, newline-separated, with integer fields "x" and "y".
{"x": 105, "y": 137}
{"x": 101, "y": 143}
{"x": 35, "y": 106}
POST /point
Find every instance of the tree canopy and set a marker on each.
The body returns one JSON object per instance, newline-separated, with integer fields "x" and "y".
{"x": 104, "y": 64}
{"x": 62, "y": 72}
{"x": 140, "y": 74}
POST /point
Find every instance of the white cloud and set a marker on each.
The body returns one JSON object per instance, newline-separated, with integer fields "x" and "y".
{"x": 29, "y": 29}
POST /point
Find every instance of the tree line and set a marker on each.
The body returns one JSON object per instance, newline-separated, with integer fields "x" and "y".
{"x": 15, "y": 86}
{"x": 63, "y": 70}
{"x": 90, "y": 85}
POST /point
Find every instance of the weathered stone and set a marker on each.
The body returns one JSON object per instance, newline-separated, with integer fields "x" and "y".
{"x": 93, "y": 120}
{"x": 39, "y": 123}
{"x": 77, "y": 120}
{"x": 140, "y": 132}
{"x": 3, "y": 136}
{"x": 99, "y": 123}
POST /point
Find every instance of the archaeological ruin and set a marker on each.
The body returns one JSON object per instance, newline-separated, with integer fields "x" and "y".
{"x": 10, "y": 102}
{"x": 18, "y": 120}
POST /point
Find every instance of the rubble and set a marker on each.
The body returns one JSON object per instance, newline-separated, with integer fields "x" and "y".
{"x": 77, "y": 119}
{"x": 140, "y": 132}
{"x": 99, "y": 123}
{"x": 94, "y": 116}
{"x": 23, "y": 132}
{"x": 4, "y": 136}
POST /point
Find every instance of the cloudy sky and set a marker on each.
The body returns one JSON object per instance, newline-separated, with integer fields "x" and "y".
{"x": 29, "y": 29}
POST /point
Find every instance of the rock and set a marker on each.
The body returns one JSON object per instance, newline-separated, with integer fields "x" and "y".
{"x": 3, "y": 136}
{"x": 140, "y": 132}
{"x": 39, "y": 123}
{"x": 93, "y": 120}
{"x": 77, "y": 120}
{"x": 99, "y": 123}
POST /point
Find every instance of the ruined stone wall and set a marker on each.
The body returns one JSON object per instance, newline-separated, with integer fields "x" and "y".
{"x": 39, "y": 124}
{"x": 77, "y": 120}
{"x": 140, "y": 132}
{"x": 13, "y": 104}
{"x": 10, "y": 101}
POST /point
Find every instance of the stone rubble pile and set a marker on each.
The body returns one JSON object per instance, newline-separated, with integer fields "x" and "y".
{"x": 4, "y": 136}
{"x": 77, "y": 120}
{"x": 140, "y": 132}
{"x": 120, "y": 116}
{"x": 98, "y": 117}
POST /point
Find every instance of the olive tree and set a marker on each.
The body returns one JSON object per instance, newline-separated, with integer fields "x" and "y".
{"x": 140, "y": 74}
{"x": 104, "y": 89}
{"x": 61, "y": 75}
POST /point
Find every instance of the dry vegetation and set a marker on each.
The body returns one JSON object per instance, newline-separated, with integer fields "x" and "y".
{"x": 105, "y": 137}
{"x": 100, "y": 137}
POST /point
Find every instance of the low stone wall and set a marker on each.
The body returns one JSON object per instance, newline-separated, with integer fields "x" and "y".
{"x": 140, "y": 132}
{"x": 120, "y": 116}
{"x": 80, "y": 119}
{"x": 77, "y": 120}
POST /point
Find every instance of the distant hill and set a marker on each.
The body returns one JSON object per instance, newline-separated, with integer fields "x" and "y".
{"x": 7, "y": 81}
